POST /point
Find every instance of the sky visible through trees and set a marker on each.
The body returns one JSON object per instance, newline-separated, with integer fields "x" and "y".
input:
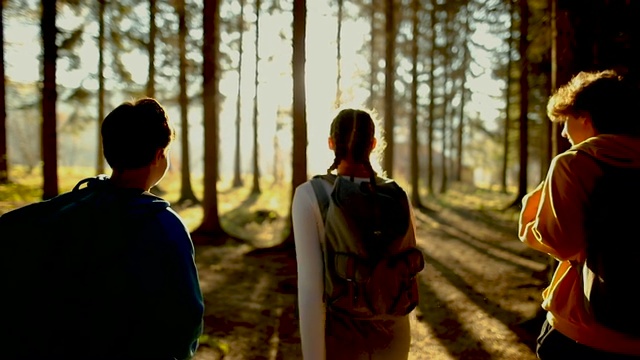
{"x": 23, "y": 48}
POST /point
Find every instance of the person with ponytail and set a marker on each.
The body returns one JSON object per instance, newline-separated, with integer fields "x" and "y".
{"x": 352, "y": 140}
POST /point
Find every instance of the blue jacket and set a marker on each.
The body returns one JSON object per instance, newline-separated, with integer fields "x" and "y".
{"x": 98, "y": 273}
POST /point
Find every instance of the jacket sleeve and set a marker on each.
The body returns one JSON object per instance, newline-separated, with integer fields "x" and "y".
{"x": 307, "y": 228}
{"x": 184, "y": 305}
{"x": 552, "y": 215}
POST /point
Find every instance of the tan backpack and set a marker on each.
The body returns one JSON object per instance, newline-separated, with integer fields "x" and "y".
{"x": 369, "y": 248}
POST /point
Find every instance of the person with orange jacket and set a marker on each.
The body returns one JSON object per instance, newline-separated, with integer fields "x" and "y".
{"x": 580, "y": 216}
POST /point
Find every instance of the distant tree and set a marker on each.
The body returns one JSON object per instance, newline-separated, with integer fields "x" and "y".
{"x": 4, "y": 164}
{"x": 255, "y": 186}
{"x": 507, "y": 103}
{"x": 338, "y": 100}
{"x": 373, "y": 58}
{"x": 432, "y": 96}
{"x": 186, "y": 191}
{"x": 210, "y": 230}
{"x": 524, "y": 101}
{"x": 413, "y": 121}
{"x": 389, "y": 88}
{"x": 237, "y": 178}
{"x": 445, "y": 58}
{"x": 101, "y": 90}
{"x": 466, "y": 60}
{"x": 48, "y": 32}
{"x": 151, "y": 49}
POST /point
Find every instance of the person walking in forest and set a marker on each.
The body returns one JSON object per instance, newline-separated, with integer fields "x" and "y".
{"x": 356, "y": 253}
{"x": 107, "y": 270}
{"x": 585, "y": 214}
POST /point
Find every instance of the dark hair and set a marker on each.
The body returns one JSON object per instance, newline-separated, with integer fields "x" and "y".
{"x": 605, "y": 96}
{"x": 352, "y": 132}
{"x": 133, "y": 132}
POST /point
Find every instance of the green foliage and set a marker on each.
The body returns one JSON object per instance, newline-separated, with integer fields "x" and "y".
{"x": 214, "y": 343}
{"x": 19, "y": 193}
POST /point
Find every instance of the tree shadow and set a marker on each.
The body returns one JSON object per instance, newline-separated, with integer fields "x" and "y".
{"x": 250, "y": 309}
{"x": 459, "y": 233}
{"x": 447, "y": 326}
{"x": 446, "y": 322}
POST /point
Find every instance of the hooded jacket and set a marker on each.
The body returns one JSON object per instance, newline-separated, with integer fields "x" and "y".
{"x": 554, "y": 220}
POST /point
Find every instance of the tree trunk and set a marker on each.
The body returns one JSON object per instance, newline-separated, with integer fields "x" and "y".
{"x": 299, "y": 154}
{"x": 4, "y": 164}
{"x": 372, "y": 56}
{"x": 151, "y": 48}
{"x": 49, "y": 99}
{"x": 186, "y": 191}
{"x": 210, "y": 229}
{"x": 507, "y": 101}
{"x": 100, "y": 169}
{"x": 389, "y": 91}
{"x": 255, "y": 186}
{"x": 237, "y": 178}
{"x": 524, "y": 102}
{"x": 463, "y": 96}
{"x": 444, "y": 178}
{"x": 338, "y": 100}
{"x": 432, "y": 96}
{"x": 413, "y": 121}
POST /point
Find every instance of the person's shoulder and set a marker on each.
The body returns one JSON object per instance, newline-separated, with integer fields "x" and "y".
{"x": 389, "y": 183}
{"x": 575, "y": 163}
{"x": 305, "y": 187}
{"x": 574, "y": 156}
{"x": 167, "y": 216}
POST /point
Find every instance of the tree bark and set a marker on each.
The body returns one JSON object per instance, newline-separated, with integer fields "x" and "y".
{"x": 210, "y": 229}
{"x": 4, "y": 163}
{"x": 255, "y": 186}
{"x": 389, "y": 90}
{"x": 49, "y": 99}
{"x": 237, "y": 178}
{"x": 186, "y": 191}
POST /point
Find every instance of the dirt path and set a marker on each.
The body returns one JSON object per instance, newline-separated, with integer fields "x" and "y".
{"x": 479, "y": 284}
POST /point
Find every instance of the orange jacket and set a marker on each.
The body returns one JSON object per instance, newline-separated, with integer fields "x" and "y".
{"x": 552, "y": 221}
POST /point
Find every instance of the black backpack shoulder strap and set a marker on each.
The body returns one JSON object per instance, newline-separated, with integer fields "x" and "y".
{"x": 321, "y": 194}
{"x": 91, "y": 181}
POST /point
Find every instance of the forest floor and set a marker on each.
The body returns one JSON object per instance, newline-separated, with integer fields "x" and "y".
{"x": 480, "y": 289}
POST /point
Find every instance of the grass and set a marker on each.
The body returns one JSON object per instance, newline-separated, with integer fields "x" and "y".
{"x": 259, "y": 219}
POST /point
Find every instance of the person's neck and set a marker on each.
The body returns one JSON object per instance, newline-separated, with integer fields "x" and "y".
{"x": 355, "y": 170}
{"x": 132, "y": 179}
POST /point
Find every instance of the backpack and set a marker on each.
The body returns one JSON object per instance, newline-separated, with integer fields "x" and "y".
{"x": 369, "y": 248}
{"x": 610, "y": 270}
{"x": 60, "y": 260}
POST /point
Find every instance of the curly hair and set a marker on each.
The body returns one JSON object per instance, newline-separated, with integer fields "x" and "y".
{"x": 605, "y": 96}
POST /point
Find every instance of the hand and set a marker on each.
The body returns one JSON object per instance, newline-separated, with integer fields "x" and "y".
{"x": 530, "y": 204}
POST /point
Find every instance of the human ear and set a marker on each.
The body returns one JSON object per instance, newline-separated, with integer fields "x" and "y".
{"x": 374, "y": 142}
{"x": 332, "y": 144}
{"x": 160, "y": 154}
{"x": 587, "y": 123}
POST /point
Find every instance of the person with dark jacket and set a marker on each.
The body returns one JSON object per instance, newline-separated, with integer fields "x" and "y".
{"x": 107, "y": 270}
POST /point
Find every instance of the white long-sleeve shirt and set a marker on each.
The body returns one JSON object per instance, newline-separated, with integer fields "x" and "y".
{"x": 308, "y": 229}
